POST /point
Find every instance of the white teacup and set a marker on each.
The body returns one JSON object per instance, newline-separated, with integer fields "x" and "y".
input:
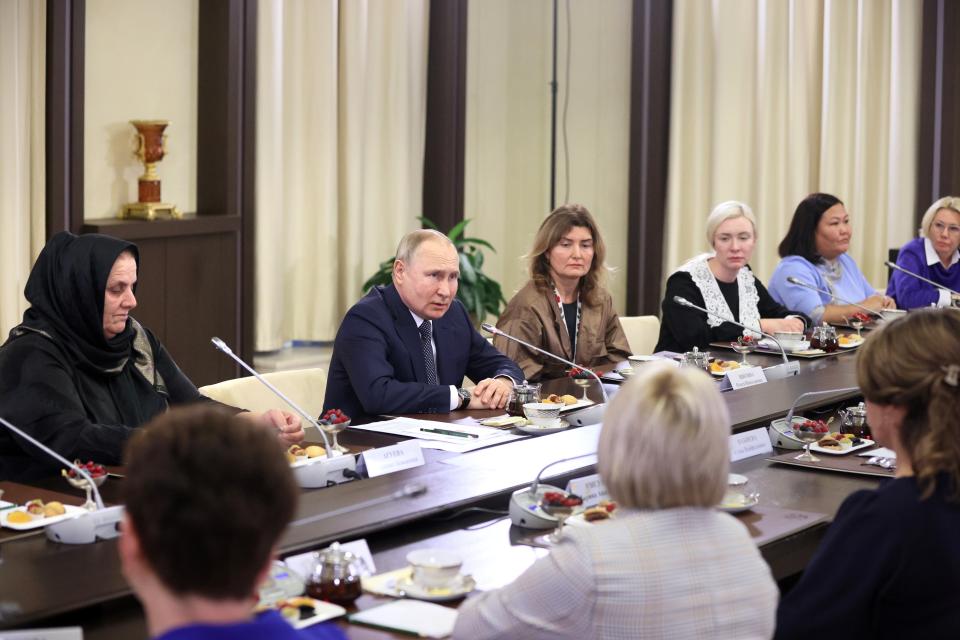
{"x": 542, "y": 414}
{"x": 434, "y": 568}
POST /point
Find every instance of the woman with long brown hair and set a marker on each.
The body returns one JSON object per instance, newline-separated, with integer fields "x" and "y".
{"x": 564, "y": 308}
{"x": 889, "y": 566}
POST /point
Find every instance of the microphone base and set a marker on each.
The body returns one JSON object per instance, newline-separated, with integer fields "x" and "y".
{"x": 102, "y": 524}
{"x": 780, "y": 371}
{"x": 326, "y": 472}
{"x": 587, "y": 415}
{"x": 525, "y": 510}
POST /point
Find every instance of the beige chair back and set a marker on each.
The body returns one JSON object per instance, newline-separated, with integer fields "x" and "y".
{"x": 642, "y": 333}
{"x": 306, "y": 387}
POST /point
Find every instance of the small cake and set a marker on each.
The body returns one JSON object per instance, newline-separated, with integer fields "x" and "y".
{"x": 53, "y": 508}
{"x": 315, "y": 451}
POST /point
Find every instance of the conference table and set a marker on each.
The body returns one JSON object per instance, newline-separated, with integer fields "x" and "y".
{"x": 43, "y": 583}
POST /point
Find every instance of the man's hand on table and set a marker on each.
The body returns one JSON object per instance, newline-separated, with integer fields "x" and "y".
{"x": 491, "y": 393}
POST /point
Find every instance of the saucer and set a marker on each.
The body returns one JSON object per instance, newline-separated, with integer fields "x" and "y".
{"x": 534, "y": 430}
{"x": 736, "y": 479}
{"x": 747, "y": 503}
{"x": 457, "y": 589}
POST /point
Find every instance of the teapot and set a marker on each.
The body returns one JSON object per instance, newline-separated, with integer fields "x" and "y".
{"x": 521, "y": 395}
{"x": 696, "y": 358}
{"x": 336, "y": 575}
{"x": 854, "y": 420}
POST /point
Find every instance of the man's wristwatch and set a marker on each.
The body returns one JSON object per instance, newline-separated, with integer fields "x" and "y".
{"x": 464, "y": 398}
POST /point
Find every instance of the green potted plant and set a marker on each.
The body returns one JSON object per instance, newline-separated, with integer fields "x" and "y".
{"x": 478, "y": 292}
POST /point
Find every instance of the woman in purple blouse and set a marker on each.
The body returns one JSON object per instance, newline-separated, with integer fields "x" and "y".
{"x": 934, "y": 255}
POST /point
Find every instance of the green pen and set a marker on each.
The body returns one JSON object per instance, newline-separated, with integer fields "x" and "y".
{"x": 447, "y": 432}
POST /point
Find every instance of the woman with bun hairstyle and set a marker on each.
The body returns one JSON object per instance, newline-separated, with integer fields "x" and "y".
{"x": 889, "y": 565}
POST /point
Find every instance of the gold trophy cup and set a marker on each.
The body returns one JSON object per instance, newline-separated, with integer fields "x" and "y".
{"x": 151, "y": 147}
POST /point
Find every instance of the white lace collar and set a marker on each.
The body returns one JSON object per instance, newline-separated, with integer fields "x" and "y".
{"x": 713, "y": 298}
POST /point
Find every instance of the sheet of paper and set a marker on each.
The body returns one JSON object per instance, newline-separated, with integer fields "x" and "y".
{"x": 432, "y": 436}
{"x": 881, "y": 452}
{"x": 423, "y": 619}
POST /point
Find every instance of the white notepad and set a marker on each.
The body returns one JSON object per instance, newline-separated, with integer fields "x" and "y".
{"x": 423, "y": 619}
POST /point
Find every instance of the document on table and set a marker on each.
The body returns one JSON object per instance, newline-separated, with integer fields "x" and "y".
{"x": 446, "y": 436}
{"x": 423, "y": 619}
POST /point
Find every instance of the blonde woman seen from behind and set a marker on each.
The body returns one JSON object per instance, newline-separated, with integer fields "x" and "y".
{"x": 668, "y": 565}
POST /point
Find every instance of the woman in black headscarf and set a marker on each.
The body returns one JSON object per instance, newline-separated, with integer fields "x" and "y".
{"x": 79, "y": 373}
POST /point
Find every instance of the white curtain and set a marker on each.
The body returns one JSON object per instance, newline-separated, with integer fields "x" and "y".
{"x": 772, "y": 100}
{"x": 341, "y": 107}
{"x": 507, "y": 163}
{"x": 22, "y": 218}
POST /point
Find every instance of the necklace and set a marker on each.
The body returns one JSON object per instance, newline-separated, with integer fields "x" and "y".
{"x": 563, "y": 321}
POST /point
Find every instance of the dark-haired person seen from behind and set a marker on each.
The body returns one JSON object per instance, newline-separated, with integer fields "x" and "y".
{"x": 207, "y": 498}
{"x": 80, "y": 374}
{"x": 406, "y": 347}
{"x": 564, "y": 308}
{"x": 889, "y": 565}
{"x": 815, "y": 252}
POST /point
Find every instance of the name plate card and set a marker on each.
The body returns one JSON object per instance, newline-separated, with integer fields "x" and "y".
{"x": 750, "y": 443}
{"x": 590, "y": 488}
{"x": 396, "y": 457}
{"x": 54, "y": 633}
{"x": 746, "y": 377}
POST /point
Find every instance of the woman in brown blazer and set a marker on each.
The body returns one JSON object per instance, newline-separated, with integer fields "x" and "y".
{"x": 564, "y": 308}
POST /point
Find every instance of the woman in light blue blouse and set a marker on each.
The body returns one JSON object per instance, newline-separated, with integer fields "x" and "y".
{"x": 815, "y": 251}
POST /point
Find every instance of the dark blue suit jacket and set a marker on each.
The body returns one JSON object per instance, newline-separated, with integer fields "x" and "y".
{"x": 378, "y": 367}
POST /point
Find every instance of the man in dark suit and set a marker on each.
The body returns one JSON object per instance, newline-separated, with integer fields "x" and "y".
{"x": 405, "y": 348}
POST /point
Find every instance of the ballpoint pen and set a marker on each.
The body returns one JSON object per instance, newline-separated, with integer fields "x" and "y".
{"x": 447, "y": 432}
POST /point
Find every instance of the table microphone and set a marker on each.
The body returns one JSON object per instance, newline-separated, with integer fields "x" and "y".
{"x": 800, "y": 397}
{"x": 489, "y": 328}
{"x": 335, "y": 468}
{"x": 525, "y": 509}
{"x": 88, "y": 526}
{"x": 921, "y": 278}
{"x": 807, "y": 285}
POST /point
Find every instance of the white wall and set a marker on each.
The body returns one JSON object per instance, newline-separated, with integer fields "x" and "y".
{"x": 141, "y": 63}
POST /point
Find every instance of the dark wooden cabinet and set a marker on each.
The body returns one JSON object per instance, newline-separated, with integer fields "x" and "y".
{"x": 196, "y": 274}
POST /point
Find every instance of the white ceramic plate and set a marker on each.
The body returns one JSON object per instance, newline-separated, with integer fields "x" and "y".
{"x": 720, "y": 374}
{"x": 739, "y": 507}
{"x": 322, "y": 611}
{"x": 70, "y": 512}
{"x": 406, "y": 587}
{"x": 534, "y": 430}
{"x": 842, "y": 452}
{"x": 581, "y": 403}
{"x": 852, "y": 345}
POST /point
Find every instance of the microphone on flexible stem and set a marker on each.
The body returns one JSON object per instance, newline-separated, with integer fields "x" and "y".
{"x": 921, "y": 278}
{"x": 525, "y": 510}
{"x": 784, "y": 370}
{"x": 220, "y": 344}
{"x": 807, "y": 285}
{"x": 335, "y": 468}
{"x": 489, "y": 328}
{"x": 88, "y": 526}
